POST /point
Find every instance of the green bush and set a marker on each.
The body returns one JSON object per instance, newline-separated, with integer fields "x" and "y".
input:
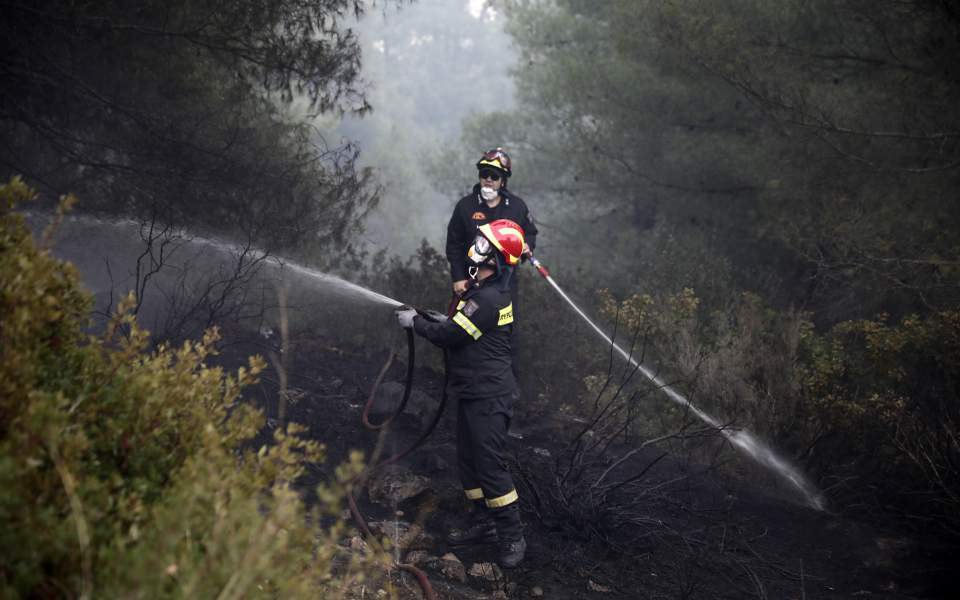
{"x": 736, "y": 362}
{"x": 129, "y": 473}
{"x": 883, "y": 397}
{"x": 868, "y": 406}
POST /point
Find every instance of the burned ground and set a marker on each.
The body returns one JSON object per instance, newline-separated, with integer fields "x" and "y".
{"x": 699, "y": 534}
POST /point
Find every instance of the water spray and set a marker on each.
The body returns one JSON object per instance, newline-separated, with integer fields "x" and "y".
{"x": 740, "y": 438}
{"x": 227, "y": 248}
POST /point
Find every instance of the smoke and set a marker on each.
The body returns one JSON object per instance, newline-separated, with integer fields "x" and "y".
{"x": 428, "y": 66}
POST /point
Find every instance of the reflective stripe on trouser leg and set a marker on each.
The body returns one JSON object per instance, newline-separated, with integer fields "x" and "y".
{"x": 474, "y": 494}
{"x": 481, "y": 448}
{"x": 501, "y": 501}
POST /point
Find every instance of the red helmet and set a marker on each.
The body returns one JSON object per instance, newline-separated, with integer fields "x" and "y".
{"x": 506, "y": 237}
{"x": 495, "y": 159}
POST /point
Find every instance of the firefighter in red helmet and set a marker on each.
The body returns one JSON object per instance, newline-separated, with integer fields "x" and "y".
{"x": 479, "y": 376}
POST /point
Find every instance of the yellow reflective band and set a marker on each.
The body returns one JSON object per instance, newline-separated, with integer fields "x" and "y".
{"x": 462, "y": 320}
{"x": 474, "y": 494}
{"x": 493, "y": 163}
{"x": 461, "y": 304}
{"x": 504, "y": 500}
{"x": 506, "y": 315}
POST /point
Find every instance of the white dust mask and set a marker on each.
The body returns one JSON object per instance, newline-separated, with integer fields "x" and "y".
{"x": 488, "y": 194}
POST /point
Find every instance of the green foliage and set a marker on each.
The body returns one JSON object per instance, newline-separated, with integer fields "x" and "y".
{"x": 128, "y": 473}
{"x": 735, "y": 362}
{"x": 869, "y": 401}
{"x": 810, "y": 147}
{"x": 885, "y": 394}
{"x": 557, "y": 349}
{"x": 190, "y": 113}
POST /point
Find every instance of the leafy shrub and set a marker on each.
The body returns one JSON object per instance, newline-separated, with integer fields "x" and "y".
{"x": 127, "y": 473}
{"x": 870, "y": 406}
{"x": 883, "y": 398}
{"x": 737, "y": 363}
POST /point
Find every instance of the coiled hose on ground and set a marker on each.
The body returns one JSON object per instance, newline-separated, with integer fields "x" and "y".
{"x": 361, "y": 477}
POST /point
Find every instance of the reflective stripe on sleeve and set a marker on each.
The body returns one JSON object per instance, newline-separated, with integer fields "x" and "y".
{"x": 474, "y": 494}
{"x": 506, "y": 315}
{"x": 462, "y": 320}
{"x": 508, "y": 498}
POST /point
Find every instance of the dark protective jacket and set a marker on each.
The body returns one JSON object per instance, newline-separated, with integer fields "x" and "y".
{"x": 477, "y": 339}
{"x": 471, "y": 212}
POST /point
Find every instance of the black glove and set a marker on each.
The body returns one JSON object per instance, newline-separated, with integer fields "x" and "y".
{"x": 434, "y": 315}
{"x": 405, "y": 316}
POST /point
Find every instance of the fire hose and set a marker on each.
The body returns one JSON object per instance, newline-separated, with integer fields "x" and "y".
{"x": 360, "y": 478}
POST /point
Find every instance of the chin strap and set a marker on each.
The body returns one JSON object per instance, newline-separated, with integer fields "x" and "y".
{"x": 493, "y": 262}
{"x": 503, "y": 278}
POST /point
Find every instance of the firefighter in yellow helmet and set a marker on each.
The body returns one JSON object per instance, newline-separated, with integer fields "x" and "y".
{"x": 488, "y": 201}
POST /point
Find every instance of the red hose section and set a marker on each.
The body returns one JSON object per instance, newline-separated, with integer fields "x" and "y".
{"x": 365, "y": 417}
{"x": 428, "y": 592}
{"x": 355, "y": 512}
{"x": 421, "y": 577}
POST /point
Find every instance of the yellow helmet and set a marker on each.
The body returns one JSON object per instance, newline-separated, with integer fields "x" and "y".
{"x": 495, "y": 159}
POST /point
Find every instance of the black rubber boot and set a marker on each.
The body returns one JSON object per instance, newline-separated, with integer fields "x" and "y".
{"x": 478, "y": 533}
{"x": 512, "y": 547}
{"x": 511, "y": 553}
{"x": 481, "y": 529}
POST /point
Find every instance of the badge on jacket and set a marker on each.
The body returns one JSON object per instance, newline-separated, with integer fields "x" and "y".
{"x": 470, "y": 307}
{"x": 479, "y": 216}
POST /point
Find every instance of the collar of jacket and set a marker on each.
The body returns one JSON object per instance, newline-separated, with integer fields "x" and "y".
{"x": 501, "y": 279}
{"x": 503, "y": 196}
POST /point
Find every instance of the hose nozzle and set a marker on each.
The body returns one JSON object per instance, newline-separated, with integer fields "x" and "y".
{"x": 430, "y": 315}
{"x": 539, "y": 266}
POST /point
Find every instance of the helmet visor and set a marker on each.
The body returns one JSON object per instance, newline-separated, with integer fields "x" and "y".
{"x": 497, "y": 155}
{"x": 496, "y": 159}
{"x": 480, "y": 250}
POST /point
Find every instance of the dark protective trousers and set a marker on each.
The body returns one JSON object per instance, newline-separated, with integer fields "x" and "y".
{"x": 481, "y": 449}
{"x": 514, "y": 340}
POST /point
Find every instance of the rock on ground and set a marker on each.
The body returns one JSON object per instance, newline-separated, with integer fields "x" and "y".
{"x": 393, "y": 484}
